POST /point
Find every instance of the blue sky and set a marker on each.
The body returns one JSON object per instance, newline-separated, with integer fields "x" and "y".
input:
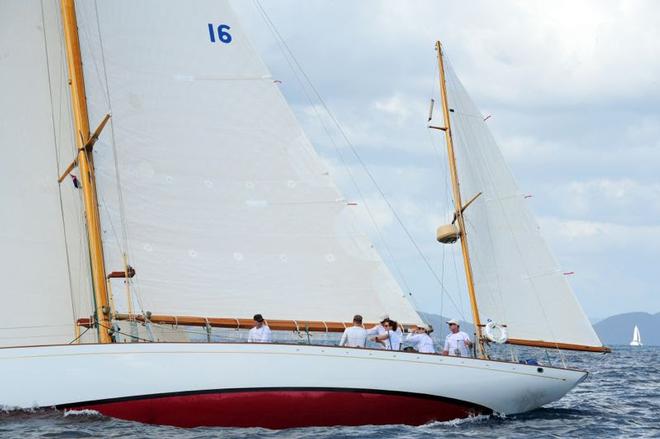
{"x": 574, "y": 97}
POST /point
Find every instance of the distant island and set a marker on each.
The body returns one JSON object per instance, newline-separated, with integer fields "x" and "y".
{"x": 618, "y": 329}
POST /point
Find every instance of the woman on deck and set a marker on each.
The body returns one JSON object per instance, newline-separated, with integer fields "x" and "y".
{"x": 421, "y": 339}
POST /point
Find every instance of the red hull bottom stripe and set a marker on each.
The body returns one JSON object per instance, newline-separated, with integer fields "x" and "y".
{"x": 283, "y": 408}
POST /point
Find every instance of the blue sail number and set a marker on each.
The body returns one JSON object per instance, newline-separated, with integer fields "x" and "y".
{"x": 223, "y": 35}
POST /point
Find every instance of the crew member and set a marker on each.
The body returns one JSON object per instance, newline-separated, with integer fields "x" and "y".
{"x": 261, "y": 332}
{"x": 378, "y": 330}
{"x": 391, "y": 337}
{"x": 421, "y": 339}
{"x": 356, "y": 335}
{"x": 457, "y": 343}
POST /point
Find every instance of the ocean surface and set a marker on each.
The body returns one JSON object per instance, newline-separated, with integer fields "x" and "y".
{"x": 621, "y": 398}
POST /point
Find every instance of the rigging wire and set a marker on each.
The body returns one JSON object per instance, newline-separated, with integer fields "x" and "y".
{"x": 80, "y": 335}
{"x": 124, "y": 246}
{"x": 84, "y": 260}
{"x": 353, "y": 149}
{"x": 288, "y": 56}
{"x": 116, "y": 331}
{"x": 444, "y": 165}
{"x": 57, "y": 161}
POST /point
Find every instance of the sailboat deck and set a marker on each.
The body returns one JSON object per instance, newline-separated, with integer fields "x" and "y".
{"x": 404, "y": 355}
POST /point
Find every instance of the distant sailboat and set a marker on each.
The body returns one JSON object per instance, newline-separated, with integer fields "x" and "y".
{"x": 637, "y": 339}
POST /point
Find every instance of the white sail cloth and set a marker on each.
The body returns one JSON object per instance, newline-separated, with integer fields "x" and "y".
{"x": 637, "y": 338}
{"x": 517, "y": 280}
{"x": 43, "y": 288}
{"x": 226, "y": 206}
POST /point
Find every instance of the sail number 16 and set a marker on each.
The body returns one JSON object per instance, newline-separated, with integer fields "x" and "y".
{"x": 222, "y": 35}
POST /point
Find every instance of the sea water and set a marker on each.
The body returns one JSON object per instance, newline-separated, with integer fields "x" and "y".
{"x": 621, "y": 398}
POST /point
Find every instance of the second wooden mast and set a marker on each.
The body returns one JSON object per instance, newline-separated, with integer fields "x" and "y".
{"x": 85, "y": 162}
{"x": 458, "y": 203}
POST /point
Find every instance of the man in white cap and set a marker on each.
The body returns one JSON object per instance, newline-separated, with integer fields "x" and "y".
{"x": 421, "y": 340}
{"x": 457, "y": 343}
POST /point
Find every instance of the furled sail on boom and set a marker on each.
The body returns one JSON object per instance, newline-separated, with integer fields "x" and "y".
{"x": 226, "y": 207}
{"x": 517, "y": 280}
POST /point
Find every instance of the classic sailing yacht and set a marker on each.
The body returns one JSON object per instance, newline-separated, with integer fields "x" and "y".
{"x": 637, "y": 338}
{"x": 196, "y": 200}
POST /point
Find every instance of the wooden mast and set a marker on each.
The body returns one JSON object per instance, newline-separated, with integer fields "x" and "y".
{"x": 85, "y": 162}
{"x": 458, "y": 204}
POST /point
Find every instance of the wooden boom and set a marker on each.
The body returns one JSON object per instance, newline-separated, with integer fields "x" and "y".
{"x": 553, "y": 345}
{"x": 245, "y": 323}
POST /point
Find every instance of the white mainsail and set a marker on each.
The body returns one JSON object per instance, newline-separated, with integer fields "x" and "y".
{"x": 226, "y": 206}
{"x": 43, "y": 253}
{"x": 517, "y": 280}
{"x": 637, "y": 338}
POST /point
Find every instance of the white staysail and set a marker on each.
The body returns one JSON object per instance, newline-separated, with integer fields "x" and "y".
{"x": 517, "y": 280}
{"x": 43, "y": 253}
{"x": 227, "y": 208}
{"x": 637, "y": 338}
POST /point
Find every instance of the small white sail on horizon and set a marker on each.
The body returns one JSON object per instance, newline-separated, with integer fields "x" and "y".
{"x": 637, "y": 338}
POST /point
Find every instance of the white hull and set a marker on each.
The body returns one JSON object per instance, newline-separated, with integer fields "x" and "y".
{"x": 89, "y": 376}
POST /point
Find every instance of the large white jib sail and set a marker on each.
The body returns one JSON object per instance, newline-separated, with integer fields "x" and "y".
{"x": 517, "y": 280}
{"x": 207, "y": 181}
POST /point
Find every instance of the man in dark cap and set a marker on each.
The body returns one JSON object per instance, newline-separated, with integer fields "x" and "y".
{"x": 261, "y": 332}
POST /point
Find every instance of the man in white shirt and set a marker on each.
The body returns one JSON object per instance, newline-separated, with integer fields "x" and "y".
{"x": 457, "y": 343}
{"x": 261, "y": 332}
{"x": 356, "y": 335}
{"x": 421, "y": 339}
{"x": 378, "y": 330}
{"x": 391, "y": 335}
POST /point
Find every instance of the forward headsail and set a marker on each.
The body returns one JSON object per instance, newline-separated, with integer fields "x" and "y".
{"x": 517, "y": 280}
{"x": 43, "y": 251}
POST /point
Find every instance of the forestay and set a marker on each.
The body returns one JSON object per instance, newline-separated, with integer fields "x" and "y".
{"x": 44, "y": 286}
{"x": 227, "y": 208}
{"x": 517, "y": 280}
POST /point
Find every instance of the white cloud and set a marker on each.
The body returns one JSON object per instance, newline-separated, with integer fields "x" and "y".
{"x": 619, "y": 200}
{"x": 395, "y": 107}
{"x": 594, "y": 236}
{"x": 373, "y": 209}
{"x": 644, "y": 131}
{"x": 573, "y": 88}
